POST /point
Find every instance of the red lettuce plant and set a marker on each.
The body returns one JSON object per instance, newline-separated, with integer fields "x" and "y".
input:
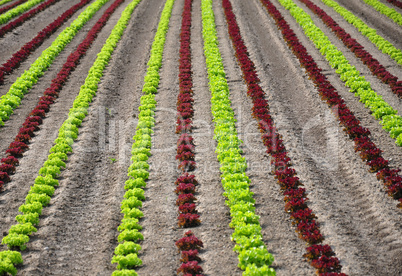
{"x": 188, "y": 155}
{"x": 7, "y": 168}
{"x": 185, "y": 148}
{"x": 185, "y": 198}
{"x": 302, "y": 215}
{"x": 186, "y": 178}
{"x": 11, "y": 160}
{"x": 38, "y": 112}
{"x": 188, "y": 220}
{"x": 187, "y": 208}
{"x": 189, "y": 242}
{"x": 185, "y": 139}
{"x": 190, "y": 255}
{"x": 16, "y": 152}
{"x": 309, "y": 231}
{"x": 18, "y": 145}
{"x": 294, "y": 193}
{"x": 295, "y": 204}
{"x": 185, "y": 188}
{"x": 317, "y": 250}
{"x": 4, "y": 177}
{"x": 190, "y": 268}
{"x": 326, "y": 264}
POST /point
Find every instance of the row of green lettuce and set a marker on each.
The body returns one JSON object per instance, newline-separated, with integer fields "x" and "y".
{"x": 358, "y": 85}
{"x": 12, "y": 99}
{"x": 385, "y": 10}
{"x": 384, "y": 45}
{"x": 44, "y": 186}
{"x": 5, "y": 17}
{"x": 125, "y": 254}
{"x": 254, "y": 257}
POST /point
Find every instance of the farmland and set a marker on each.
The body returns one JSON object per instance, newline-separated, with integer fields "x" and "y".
{"x": 201, "y": 137}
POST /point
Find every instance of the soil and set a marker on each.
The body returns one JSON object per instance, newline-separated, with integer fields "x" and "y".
{"x": 77, "y": 233}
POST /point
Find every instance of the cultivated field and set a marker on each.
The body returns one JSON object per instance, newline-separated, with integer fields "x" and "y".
{"x": 201, "y": 137}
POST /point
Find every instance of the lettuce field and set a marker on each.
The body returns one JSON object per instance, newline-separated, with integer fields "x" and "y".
{"x": 201, "y": 137}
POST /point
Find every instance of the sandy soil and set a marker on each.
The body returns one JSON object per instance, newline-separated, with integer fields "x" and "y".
{"x": 78, "y": 231}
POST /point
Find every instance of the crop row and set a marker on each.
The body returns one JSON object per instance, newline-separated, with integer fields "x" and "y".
{"x": 368, "y": 151}
{"x": 125, "y": 254}
{"x": 18, "y": 10}
{"x": 22, "y": 54}
{"x": 385, "y": 10}
{"x": 348, "y": 74}
{"x": 23, "y": 84}
{"x": 295, "y": 196}
{"x": 254, "y": 257}
{"x": 384, "y": 45}
{"x": 9, "y": 7}
{"x": 20, "y": 20}
{"x": 34, "y": 119}
{"x": 185, "y": 147}
{"x": 186, "y": 182}
{"x": 40, "y": 193}
{"x": 373, "y": 64}
{"x": 396, "y": 3}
